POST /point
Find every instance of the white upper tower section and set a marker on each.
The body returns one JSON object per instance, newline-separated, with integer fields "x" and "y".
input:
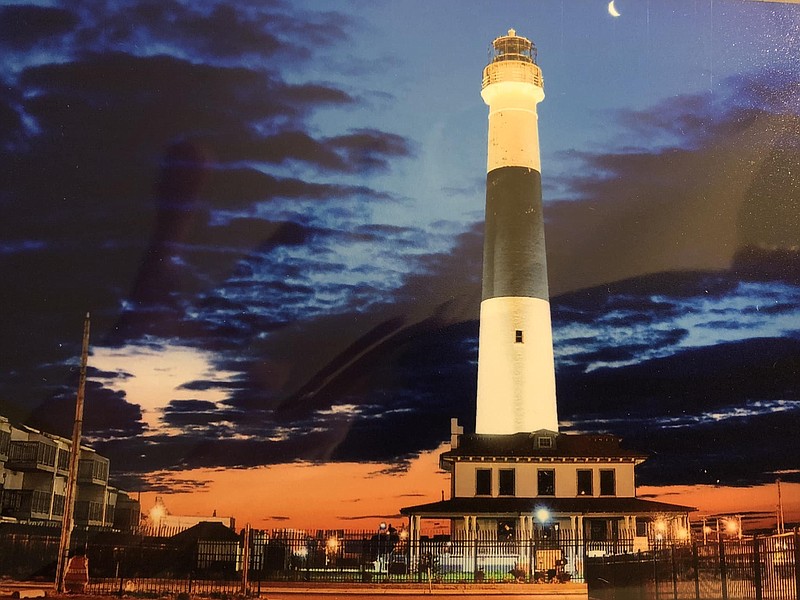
{"x": 516, "y": 370}
{"x": 512, "y": 87}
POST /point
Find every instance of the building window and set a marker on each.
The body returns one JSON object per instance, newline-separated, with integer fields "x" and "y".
{"x": 545, "y": 442}
{"x": 507, "y": 482}
{"x": 483, "y": 482}
{"x": 546, "y": 482}
{"x": 608, "y": 483}
{"x": 641, "y": 528}
{"x": 585, "y": 482}
{"x": 518, "y": 336}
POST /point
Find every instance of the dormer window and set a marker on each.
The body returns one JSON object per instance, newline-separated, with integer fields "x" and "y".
{"x": 545, "y": 442}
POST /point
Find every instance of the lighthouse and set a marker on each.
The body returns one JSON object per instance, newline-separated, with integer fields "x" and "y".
{"x": 517, "y": 480}
{"x": 516, "y": 371}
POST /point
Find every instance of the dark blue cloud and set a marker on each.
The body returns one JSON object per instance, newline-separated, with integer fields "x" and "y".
{"x": 188, "y": 195}
{"x": 23, "y": 27}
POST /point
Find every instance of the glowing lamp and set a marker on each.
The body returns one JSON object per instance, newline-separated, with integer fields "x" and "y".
{"x": 542, "y": 515}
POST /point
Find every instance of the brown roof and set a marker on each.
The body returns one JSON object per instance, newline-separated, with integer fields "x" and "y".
{"x": 524, "y": 445}
{"x": 517, "y": 506}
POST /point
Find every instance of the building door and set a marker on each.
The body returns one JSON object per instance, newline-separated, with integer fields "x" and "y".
{"x": 597, "y": 530}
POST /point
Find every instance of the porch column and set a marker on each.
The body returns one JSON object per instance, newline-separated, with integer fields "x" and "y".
{"x": 470, "y": 558}
{"x": 413, "y": 542}
{"x": 580, "y": 548}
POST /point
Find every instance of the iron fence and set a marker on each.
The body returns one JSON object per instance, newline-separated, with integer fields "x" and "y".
{"x": 752, "y": 568}
{"x": 760, "y": 568}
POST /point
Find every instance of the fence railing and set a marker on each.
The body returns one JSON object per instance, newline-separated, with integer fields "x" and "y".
{"x": 760, "y": 568}
{"x": 753, "y": 568}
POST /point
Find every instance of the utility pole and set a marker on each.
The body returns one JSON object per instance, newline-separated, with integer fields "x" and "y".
{"x": 780, "y": 508}
{"x": 74, "y": 457}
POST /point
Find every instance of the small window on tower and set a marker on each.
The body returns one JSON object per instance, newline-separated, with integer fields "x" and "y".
{"x": 518, "y": 336}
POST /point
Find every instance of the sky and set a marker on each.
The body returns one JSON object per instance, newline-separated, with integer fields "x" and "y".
{"x": 274, "y": 213}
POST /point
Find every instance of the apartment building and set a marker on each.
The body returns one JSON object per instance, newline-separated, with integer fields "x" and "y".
{"x": 34, "y": 467}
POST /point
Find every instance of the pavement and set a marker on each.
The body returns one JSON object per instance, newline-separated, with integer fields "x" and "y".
{"x": 25, "y": 589}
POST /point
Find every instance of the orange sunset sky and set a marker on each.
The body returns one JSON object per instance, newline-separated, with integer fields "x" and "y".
{"x": 360, "y": 496}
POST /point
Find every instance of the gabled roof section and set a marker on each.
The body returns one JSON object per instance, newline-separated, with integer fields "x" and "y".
{"x": 528, "y": 445}
{"x": 209, "y": 531}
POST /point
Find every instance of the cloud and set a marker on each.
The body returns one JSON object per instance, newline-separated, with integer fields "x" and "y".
{"x": 106, "y": 414}
{"x": 24, "y": 27}
{"x": 192, "y": 197}
{"x": 719, "y": 187}
{"x": 136, "y": 186}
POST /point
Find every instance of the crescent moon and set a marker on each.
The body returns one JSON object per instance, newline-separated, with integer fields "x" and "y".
{"x": 612, "y": 10}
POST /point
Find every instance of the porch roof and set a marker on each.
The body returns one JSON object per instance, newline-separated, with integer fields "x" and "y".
{"x": 456, "y": 507}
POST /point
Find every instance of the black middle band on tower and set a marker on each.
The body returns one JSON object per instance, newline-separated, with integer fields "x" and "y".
{"x": 514, "y": 258}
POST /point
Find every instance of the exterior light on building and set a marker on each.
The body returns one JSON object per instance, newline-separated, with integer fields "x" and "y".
{"x": 158, "y": 512}
{"x": 542, "y": 515}
{"x": 661, "y": 526}
{"x": 732, "y": 526}
{"x": 332, "y": 545}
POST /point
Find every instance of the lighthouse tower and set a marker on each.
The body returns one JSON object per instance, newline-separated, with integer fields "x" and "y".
{"x": 516, "y": 372}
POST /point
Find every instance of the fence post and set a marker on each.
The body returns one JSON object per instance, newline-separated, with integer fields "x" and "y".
{"x": 655, "y": 572}
{"x": 531, "y": 567}
{"x": 696, "y": 567}
{"x": 723, "y": 569}
{"x": 796, "y": 563}
{"x": 246, "y": 559}
{"x": 475, "y": 559}
{"x": 759, "y": 584}
{"x": 674, "y": 573}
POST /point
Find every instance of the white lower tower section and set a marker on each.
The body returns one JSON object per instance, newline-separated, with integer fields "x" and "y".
{"x": 516, "y": 371}
{"x": 516, "y": 382}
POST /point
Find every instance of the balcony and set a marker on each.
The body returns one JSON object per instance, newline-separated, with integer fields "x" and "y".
{"x": 5, "y": 442}
{"x": 93, "y": 471}
{"x": 63, "y": 461}
{"x": 31, "y": 456}
{"x": 28, "y": 504}
{"x": 88, "y": 512}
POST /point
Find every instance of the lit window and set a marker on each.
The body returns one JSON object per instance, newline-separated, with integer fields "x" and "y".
{"x": 506, "y": 482}
{"x": 483, "y": 482}
{"x": 518, "y": 336}
{"x": 608, "y": 485}
{"x": 584, "y": 482}
{"x": 546, "y": 482}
